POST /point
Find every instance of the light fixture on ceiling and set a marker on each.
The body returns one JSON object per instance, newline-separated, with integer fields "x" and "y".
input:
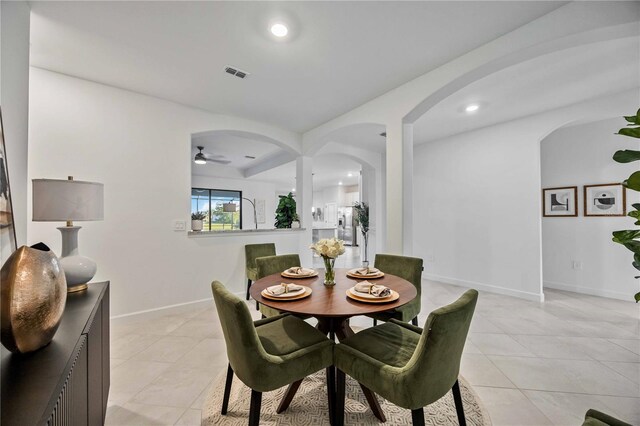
{"x": 339, "y": 183}
{"x": 279, "y": 29}
{"x": 472, "y": 108}
{"x": 200, "y": 159}
{"x": 293, "y": 190}
{"x": 349, "y": 174}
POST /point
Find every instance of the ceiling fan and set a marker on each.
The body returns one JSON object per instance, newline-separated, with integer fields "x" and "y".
{"x": 200, "y": 158}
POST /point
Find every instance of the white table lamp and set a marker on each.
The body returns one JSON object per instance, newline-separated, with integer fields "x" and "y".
{"x": 56, "y": 200}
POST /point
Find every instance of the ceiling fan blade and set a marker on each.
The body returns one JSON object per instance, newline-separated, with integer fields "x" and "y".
{"x": 212, "y": 160}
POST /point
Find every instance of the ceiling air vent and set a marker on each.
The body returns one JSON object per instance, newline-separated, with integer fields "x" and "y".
{"x": 383, "y": 134}
{"x": 236, "y": 72}
{"x": 250, "y": 157}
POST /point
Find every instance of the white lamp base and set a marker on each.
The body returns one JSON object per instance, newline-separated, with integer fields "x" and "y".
{"x": 78, "y": 270}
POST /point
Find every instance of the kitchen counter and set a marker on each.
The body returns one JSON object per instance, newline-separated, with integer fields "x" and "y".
{"x": 242, "y": 231}
{"x": 320, "y": 233}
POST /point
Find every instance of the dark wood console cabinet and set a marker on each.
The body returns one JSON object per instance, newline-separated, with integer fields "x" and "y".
{"x": 67, "y": 381}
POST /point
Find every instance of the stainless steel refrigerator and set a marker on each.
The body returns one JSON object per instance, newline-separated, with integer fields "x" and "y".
{"x": 347, "y": 230}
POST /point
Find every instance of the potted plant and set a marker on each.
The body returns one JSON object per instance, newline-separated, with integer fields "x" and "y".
{"x": 630, "y": 238}
{"x": 196, "y": 220}
{"x": 296, "y": 221}
{"x": 285, "y": 211}
{"x": 361, "y": 211}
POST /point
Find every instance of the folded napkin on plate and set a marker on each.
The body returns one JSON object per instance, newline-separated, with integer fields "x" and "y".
{"x": 367, "y": 271}
{"x": 373, "y": 289}
{"x": 279, "y": 290}
{"x": 297, "y": 270}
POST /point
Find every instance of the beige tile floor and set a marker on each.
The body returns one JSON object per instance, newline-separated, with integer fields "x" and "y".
{"x": 531, "y": 363}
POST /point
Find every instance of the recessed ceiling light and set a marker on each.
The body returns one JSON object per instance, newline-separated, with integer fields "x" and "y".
{"x": 279, "y": 30}
{"x": 339, "y": 183}
{"x": 472, "y": 107}
{"x": 349, "y": 174}
{"x": 293, "y": 190}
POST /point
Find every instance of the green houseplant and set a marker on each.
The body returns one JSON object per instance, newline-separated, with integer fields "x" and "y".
{"x": 286, "y": 211}
{"x": 361, "y": 211}
{"x": 196, "y": 220}
{"x": 630, "y": 238}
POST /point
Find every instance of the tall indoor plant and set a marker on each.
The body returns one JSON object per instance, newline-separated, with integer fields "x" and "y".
{"x": 286, "y": 211}
{"x": 362, "y": 216}
{"x": 630, "y": 238}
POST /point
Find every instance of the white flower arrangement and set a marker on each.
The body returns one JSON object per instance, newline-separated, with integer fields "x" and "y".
{"x": 328, "y": 247}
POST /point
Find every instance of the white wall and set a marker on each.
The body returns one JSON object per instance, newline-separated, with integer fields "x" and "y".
{"x": 477, "y": 203}
{"x": 577, "y": 156}
{"x": 14, "y": 99}
{"x": 140, "y": 148}
{"x": 251, "y": 189}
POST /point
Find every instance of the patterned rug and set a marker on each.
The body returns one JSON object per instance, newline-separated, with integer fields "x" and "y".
{"x": 309, "y": 406}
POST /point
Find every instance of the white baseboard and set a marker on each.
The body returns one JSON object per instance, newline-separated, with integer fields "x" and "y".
{"x": 177, "y": 309}
{"x": 536, "y": 297}
{"x": 587, "y": 290}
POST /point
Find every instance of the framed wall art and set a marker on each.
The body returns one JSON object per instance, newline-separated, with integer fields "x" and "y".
{"x": 260, "y": 211}
{"x": 7, "y": 228}
{"x": 608, "y": 199}
{"x": 560, "y": 202}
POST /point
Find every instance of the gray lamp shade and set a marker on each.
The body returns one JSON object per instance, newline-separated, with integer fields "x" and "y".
{"x": 229, "y": 207}
{"x": 57, "y": 200}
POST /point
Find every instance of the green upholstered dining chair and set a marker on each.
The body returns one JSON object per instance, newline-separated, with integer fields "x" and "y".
{"x": 252, "y": 252}
{"x": 268, "y": 265}
{"x": 597, "y": 418}
{"x": 407, "y": 365}
{"x": 270, "y": 353}
{"x": 410, "y": 269}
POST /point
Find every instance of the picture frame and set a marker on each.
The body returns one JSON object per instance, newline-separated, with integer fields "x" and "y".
{"x": 605, "y": 199}
{"x": 8, "y": 242}
{"x": 560, "y": 201}
{"x": 260, "y": 211}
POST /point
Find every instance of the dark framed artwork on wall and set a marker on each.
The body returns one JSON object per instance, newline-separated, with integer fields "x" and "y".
{"x": 7, "y": 228}
{"x": 607, "y": 199}
{"x": 560, "y": 202}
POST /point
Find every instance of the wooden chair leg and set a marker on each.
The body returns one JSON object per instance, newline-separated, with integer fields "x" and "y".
{"x": 254, "y": 411}
{"x": 340, "y": 390}
{"x": 248, "y": 286}
{"x": 331, "y": 393}
{"x": 288, "y": 396}
{"x": 457, "y": 398}
{"x": 415, "y": 321}
{"x": 227, "y": 391}
{"x": 417, "y": 416}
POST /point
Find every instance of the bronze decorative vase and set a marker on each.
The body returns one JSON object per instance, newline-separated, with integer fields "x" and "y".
{"x": 34, "y": 292}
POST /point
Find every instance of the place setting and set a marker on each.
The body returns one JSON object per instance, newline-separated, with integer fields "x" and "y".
{"x": 286, "y": 292}
{"x": 365, "y": 273}
{"x": 299, "y": 272}
{"x": 367, "y": 292}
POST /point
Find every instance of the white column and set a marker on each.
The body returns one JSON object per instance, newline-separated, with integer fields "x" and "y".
{"x": 368, "y": 195}
{"x": 407, "y": 188}
{"x": 304, "y": 202}
{"x": 399, "y": 161}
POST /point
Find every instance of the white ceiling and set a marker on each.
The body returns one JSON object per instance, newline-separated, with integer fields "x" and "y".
{"x": 551, "y": 81}
{"x": 339, "y": 54}
{"x": 232, "y": 147}
{"x": 328, "y": 170}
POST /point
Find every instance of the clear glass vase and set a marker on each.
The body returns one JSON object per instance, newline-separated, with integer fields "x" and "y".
{"x": 329, "y": 271}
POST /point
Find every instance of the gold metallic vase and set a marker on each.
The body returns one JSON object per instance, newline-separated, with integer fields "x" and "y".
{"x": 34, "y": 293}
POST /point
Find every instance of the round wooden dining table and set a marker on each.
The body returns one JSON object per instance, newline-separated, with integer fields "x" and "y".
{"x": 332, "y": 308}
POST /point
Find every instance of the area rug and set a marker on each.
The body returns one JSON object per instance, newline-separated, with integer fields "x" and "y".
{"x": 309, "y": 406}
